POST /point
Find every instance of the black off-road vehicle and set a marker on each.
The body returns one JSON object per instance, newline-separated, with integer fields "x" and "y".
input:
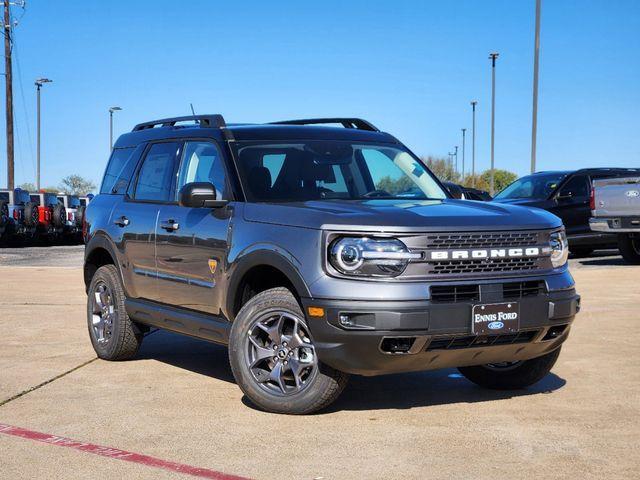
{"x": 316, "y": 252}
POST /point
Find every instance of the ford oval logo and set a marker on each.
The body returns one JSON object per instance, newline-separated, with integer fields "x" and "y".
{"x": 633, "y": 193}
{"x": 495, "y": 325}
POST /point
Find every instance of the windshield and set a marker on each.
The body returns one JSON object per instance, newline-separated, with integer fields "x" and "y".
{"x": 325, "y": 170}
{"x": 533, "y": 186}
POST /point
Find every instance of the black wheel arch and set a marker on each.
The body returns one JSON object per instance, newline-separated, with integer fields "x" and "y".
{"x": 98, "y": 252}
{"x": 245, "y": 269}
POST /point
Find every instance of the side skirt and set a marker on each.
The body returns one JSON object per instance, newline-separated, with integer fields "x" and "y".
{"x": 199, "y": 325}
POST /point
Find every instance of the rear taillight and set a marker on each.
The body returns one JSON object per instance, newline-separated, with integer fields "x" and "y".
{"x": 16, "y": 214}
{"x": 84, "y": 225}
{"x": 70, "y": 216}
{"x": 592, "y": 199}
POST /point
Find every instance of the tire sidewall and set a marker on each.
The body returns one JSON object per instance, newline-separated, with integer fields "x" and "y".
{"x": 296, "y": 403}
{"x": 108, "y": 275}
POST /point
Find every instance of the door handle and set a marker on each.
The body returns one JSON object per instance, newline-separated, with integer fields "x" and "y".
{"x": 170, "y": 225}
{"x": 122, "y": 221}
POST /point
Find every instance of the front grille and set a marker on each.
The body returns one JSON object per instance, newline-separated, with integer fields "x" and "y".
{"x": 455, "y": 293}
{"x": 471, "y": 293}
{"x": 473, "y": 341}
{"x": 481, "y": 240}
{"x": 523, "y": 289}
{"x": 450, "y": 267}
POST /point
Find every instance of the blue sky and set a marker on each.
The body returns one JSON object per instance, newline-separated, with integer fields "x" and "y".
{"x": 410, "y": 67}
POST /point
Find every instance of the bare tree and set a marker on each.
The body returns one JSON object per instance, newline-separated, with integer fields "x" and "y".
{"x": 76, "y": 185}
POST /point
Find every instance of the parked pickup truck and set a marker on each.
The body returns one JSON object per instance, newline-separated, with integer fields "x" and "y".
{"x": 615, "y": 208}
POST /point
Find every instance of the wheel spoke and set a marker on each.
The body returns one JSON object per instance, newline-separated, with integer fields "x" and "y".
{"x": 295, "y": 339}
{"x": 274, "y": 330}
{"x": 260, "y": 353}
{"x": 276, "y": 376}
{"x": 297, "y": 368}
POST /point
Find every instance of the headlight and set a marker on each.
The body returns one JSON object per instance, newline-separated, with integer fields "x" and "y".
{"x": 559, "y": 248}
{"x": 370, "y": 257}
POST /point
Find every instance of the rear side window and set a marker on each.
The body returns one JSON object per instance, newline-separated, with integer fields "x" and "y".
{"x": 119, "y": 171}
{"x": 156, "y": 174}
{"x": 4, "y": 197}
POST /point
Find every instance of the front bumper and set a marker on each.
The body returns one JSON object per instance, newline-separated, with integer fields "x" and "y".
{"x": 615, "y": 224}
{"x": 439, "y": 334}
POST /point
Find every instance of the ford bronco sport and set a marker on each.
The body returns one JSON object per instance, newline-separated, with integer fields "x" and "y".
{"x": 315, "y": 252}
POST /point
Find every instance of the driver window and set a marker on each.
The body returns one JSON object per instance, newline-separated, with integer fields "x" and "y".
{"x": 578, "y": 187}
{"x": 202, "y": 162}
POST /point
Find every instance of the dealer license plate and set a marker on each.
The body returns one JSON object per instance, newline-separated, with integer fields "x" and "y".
{"x": 495, "y": 318}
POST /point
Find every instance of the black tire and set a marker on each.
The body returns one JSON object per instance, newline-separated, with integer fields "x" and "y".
{"x": 4, "y": 214}
{"x": 125, "y": 338}
{"x": 31, "y": 214}
{"x": 520, "y": 375}
{"x": 325, "y": 385}
{"x": 79, "y": 216}
{"x": 59, "y": 215}
{"x": 580, "y": 252}
{"x": 629, "y": 248}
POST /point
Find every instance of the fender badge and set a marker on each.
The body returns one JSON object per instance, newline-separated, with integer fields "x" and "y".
{"x": 213, "y": 264}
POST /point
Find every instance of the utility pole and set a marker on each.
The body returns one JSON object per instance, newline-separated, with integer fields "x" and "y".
{"x": 534, "y": 117}
{"x": 451, "y": 161}
{"x": 8, "y": 93}
{"x": 111, "y": 110}
{"x": 473, "y": 143}
{"x": 464, "y": 131}
{"x": 493, "y": 56}
{"x": 39, "y": 83}
{"x": 455, "y": 154}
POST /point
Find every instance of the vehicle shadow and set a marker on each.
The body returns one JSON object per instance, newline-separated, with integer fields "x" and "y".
{"x": 398, "y": 391}
{"x": 603, "y": 262}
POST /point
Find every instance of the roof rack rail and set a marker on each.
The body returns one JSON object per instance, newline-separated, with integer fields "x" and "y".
{"x": 206, "y": 121}
{"x": 357, "y": 123}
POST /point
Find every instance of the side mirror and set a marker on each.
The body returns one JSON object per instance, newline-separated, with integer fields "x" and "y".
{"x": 200, "y": 195}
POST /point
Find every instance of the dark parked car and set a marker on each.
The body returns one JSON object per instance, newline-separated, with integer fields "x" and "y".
{"x": 21, "y": 213}
{"x": 314, "y": 252}
{"x": 566, "y": 194}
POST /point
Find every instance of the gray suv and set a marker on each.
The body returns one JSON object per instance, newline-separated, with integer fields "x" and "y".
{"x": 314, "y": 252}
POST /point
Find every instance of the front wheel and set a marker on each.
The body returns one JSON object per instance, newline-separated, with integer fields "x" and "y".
{"x": 511, "y": 375}
{"x": 274, "y": 360}
{"x": 629, "y": 248}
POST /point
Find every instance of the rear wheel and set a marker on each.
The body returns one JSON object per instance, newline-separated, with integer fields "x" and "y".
{"x": 511, "y": 375}
{"x": 274, "y": 360}
{"x": 629, "y": 248}
{"x": 113, "y": 335}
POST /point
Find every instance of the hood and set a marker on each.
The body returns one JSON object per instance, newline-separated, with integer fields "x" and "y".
{"x": 401, "y": 215}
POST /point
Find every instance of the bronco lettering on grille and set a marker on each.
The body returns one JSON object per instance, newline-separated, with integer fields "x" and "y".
{"x": 479, "y": 254}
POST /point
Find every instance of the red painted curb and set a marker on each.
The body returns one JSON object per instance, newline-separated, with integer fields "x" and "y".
{"x": 115, "y": 453}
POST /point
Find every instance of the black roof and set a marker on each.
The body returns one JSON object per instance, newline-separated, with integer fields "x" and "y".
{"x": 213, "y": 126}
{"x": 591, "y": 171}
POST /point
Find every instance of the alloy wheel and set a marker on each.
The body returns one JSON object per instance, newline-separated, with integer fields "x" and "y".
{"x": 279, "y": 353}
{"x": 103, "y": 313}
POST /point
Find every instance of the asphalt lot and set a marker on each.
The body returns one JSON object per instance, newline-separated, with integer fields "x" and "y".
{"x": 177, "y": 400}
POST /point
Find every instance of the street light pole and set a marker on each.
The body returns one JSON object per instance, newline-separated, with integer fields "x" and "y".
{"x": 111, "y": 110}
{"x": 473, "y": 143}
{"x": 39, "y": 83}
{"x": 493, "y": 56}
{"x": 464, "y": 131}
{"x": 534, "y": 117}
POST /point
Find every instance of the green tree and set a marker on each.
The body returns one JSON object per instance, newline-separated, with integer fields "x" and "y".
{"x": 442, "y": 168}
{"x": 502, "y": 178}
{"x": 29, "y": 187}
{"x": 76, "y": 185}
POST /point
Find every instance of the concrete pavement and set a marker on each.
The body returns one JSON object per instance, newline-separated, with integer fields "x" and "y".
{"x": 177, "y": 401}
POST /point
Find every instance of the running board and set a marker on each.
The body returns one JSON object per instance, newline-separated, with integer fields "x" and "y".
{"x": 195, "y": 324}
